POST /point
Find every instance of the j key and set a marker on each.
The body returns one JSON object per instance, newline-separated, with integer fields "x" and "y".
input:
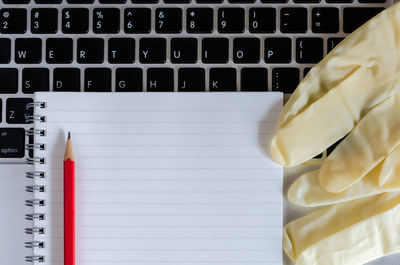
{"x": 121, "y": 50}
{"x": 325, "y": 20}
{"x": 67, "y": 79}
{"x": 5, "y": 50}
{"x": 90, "y": 50}
{"x": 285, "y": 79}
{"x": 28, "y": 50}
{"x": 97, "y": 80}
{"x": 106, "y": 20}
{"x": 184, "y": 50}
{"x": 191, "y": 79}
{"x": 160, "y": 79}
{"x": 9, "y": 80}
{"x": 332, "y": 42}
{"x": 16, "y": 1}
{"x": 278, "y": 50}
{"x": 137, "y": 20}
{"x": 222, "y": 79}
{"x": 152, "y": 50}
{"x": 262, "y": 20}
{"x": 144, "y": 1}
{"x": 44, "y": 20}
{"x": 13, "y": 21}
{"x": 246, "y": 50}
{"x": 168, "y": 20}
{"x": 294, "y": 20}
{"x": 309, "y": 50}
{"x": 48, "y": 1}
{"x": 12, "y": 142}
{"x": 80, "y": 1}
{"x": 59, "y": 50}
{"x": 129, "y": 80}
{"x": 254, "y": 79}
{"x": 230, "y": 20}
{"x": 354, "y": 17}
{"x": 215, "y": 50}
{"x": 16, "y": 110}
{"x": 199, "y": 20}
{"x": 75, "y": 20}
{"x": 35, "y": 79}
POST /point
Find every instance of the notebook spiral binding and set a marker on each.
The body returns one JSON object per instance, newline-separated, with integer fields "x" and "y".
{"x": 35, "y": 203}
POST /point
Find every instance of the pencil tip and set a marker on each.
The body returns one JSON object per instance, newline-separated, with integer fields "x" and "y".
{"x": 69, "y": 135}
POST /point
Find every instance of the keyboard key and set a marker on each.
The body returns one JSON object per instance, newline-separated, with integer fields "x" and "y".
{"x": 274, "y": 1}
{"x": 160, "y": 79}
{"x": 35, "y": 79}
{"x": 215, "y": 50}
{"x": 307, "y": 1}
{"x": 75, "y": 20}
{"x": 48, "y": 1}
{"x": 121, "y": 50}
{"x": 332, "y": 42}
{"x": 144, "y": 1}
{"x": 309, "y": 50}
{"x": 106, "y": 20}
{"x": 16, "y": 110}
{"x": 325, "y": 20}
{"x": 209, "y": 1}
{"x": 168, "y": 20}
{"x": 191, "y": 79}
{"x": 222, "y": 79}
{"x": 137, "y": 20}
{"x": 262, "y": 20}
{"x": 59, "y": 50}
{"x": 13, "y": 20}
{"x": 152, "y": 50}
{"x": 90, "y": 50}
{"x": 246, "y": 50}
{"x": 294, "y": 20}
{"x": 28, "y": 51}
{"x": 354, "y": 17}
{"x": 285, "y": 79}
{"x": 16, "y": 1}
{"x": 177, "y": 1}
{"x": 278, "y": 50}
{"x": 97, "y": 80}
{"x": 67, "y": 79}
{"x": 12, "y": 142}
{"x": 199, "y": 20}
{"x": 9, "y": 80}
{"x": 231, "y": 20}
{"x": 129, "y": 80}
{"x": 44, "y": 20}
{"x": 1, "y": 110}
{"x": 80, "y": 1}
{"x": 112, "y": 1}
{"x": 5, "y": 50}
{"x": 339, "y": 1}
{"x": 183, "y": 50}
{"x": 372, "y": 1}
{"x": 254, "y": 79}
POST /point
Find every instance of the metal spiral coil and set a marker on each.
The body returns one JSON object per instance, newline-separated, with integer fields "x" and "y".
{"x": 35, "y": 146}
{"x": 34, "y": 216}
{"x": 34, "y": 160}
{"x": 35, "y": 202}
{"x": 34, "y": 230}
{"x": 33, "y": 188}
{"x": 35, "y": 174}
{"x": 33, "y": 132}
{"x": 34, "y": 244}
{"x": 36, "y": 258}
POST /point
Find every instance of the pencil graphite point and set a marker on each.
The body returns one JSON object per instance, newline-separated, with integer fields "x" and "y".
{"x": 69, "y": 135}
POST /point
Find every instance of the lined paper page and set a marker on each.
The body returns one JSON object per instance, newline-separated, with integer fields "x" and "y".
{"x": 165, "y": 178}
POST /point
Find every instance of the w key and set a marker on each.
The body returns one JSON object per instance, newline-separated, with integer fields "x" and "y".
{"x": 28, "y": 50}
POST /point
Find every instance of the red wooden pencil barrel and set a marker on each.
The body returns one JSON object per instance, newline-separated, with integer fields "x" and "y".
{"x": 69, "y": 205}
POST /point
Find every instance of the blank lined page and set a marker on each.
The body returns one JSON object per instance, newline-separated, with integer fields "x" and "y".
{"x": 164, "y": 178}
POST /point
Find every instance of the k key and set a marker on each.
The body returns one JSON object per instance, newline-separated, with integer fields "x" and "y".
{"x": 44, "y": 20}
{"x": 222, "y": 79}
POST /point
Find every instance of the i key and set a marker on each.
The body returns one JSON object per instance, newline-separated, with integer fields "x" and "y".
{"x": 168, "y": 20}
{"x": 28, "y": 50}
{"x": 230, "y": 20}
{"x": 75, "y": 20}
{"x": 106, "y": 20}
{"x": 137, "y": 20}
{"x": 199, "y": 20}
{"x": 44, "y": 20}
{"x": 13, "y": 20}
{"x": 215, "y": 50}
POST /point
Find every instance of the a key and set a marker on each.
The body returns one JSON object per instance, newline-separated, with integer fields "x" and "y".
{"x": 121, "y": 50}
{"x": 16, "y": 110}
{"x": 75, "y": 20}
{"x": 90, "y": 50}
{"x": 97, "y": 80}
{"x": 28, "y": 51}
{"x": 106, "y": 20}
{"x": 278, "y": 50}
{"x": 34, "y": 80}
{"x": 262, "y": 20}
{"x": 183, "y": 50}
{"x": 67, "y": 79}
{"x": 222, "y": 79}
{"x": 59, "y": 50}
{"x": 215, "y": 50}
{"x": 325, "y": 20}
{"x": 13, "y": 20}
{"x": 5, "y": 50}
{"x": 16, "y": 1}
{"x": 12, "y": 142}
{"x": 354, "y": 17}
{"x": 48, "y": 1}
{"x": 160, "y": 79}
{"x": 254, "y": 79}
{"x": 285, "y": 79}
{"x": 332, "y": 42}
{"x": 230, "y": 20}
{"x": 80, "y": 1}
{"x": 9, "y": 80}
{"x": 152, "y": 50}
{"x": 137, "y": 20}
{"x": 199, "y": 20}
{"x": 309, "y": 50}
{"x": 294, "y": 20}
{"x": 246, "y": 50}
{"x": 168, "y": 20}
{"x": 191, "y": 79}
{"x": 144, "y": 1}
{"x": 129, "y": 80}
{"x": 44, "y": 20}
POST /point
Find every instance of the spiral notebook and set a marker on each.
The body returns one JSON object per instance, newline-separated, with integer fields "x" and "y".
{"x": 162, "y": 178}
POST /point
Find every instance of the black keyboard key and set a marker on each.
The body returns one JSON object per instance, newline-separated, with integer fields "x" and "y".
{"x": 294, "y": 20}
{"x": 183, "y": 50}
{"x": 16, "y": 1}
{"x": 199, "y": 20}
{"x": 35, "y": 79}
{"x": 278, "y": 50}
{"x": 59, "y": 50}
{"x": 215, "y": 50}
{"x": 13, "y": 20}
{"x": 285, "y": 79}
{"x": 339, "y": 1}
{"x": 112, "y": 1}
{"x": 67, "y": 79}
{"x": 80, "y": 1}
{"x": 307, "y": 1}
{"x": 129, "y": 80}
{"x": 44, "y": 20}
{"x": 332, "y": 42}
{"x": 144, "y": 1}
{"x": 12, "y": 142}
{"x": 90, "y": 50}
{"x": 5, "y": 50}
{"x": 177, "y": 1}
{"x": 262, "y": 20}
{"x": 48, "y": 1}
{"x": 372, "y": 1}
{"x": 209, "y": 1}
{"x": 160, "y": 79}
{"x": 231, "y": 20}
{"x": 246, "y": 50}
{"x": 274, "y": 1}
{"x": 97, "y": 80}
{"x": 75, "y": 20}
{"x": 106, "y": 20}
{"x": 152, "y": 50}
{"x": 9, "y": 80}
{"x": 354, "y": 17}
{"x": 168, "y": 20}
{"x": 1, "y": 110}
{"x": 121, "y": 50}
{"x": 254, "y": 79}
{"x": 222, "y": 79}
{"x": 325, "y": 20}
{"x": 137, "y": 20}
{"x": 309, "y": 50}
{"x": 191, "y": 79}
{"x": 16, "y": 110}
{"x": 28, "y": 51}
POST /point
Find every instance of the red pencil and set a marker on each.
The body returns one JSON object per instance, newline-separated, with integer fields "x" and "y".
{"x": 69, "y": 204}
